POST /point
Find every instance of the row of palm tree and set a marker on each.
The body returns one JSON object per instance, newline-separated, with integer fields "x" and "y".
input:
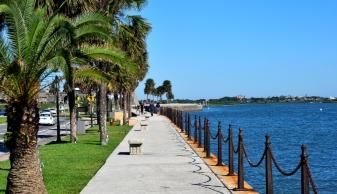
{"x": 93, "y": 43}
{"x": 165, "y": 88}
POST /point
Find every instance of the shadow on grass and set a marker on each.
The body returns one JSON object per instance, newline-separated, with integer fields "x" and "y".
{"x": 92, "y": 143}
{"x": 4, "y": 169}
{"x": 56, "y": 142}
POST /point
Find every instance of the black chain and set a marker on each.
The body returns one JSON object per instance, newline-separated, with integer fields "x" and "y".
{"x": 250, "y": 162}
{"x": 312, "y": 183}
{"x": 213, "y": 137}
{"x": 237, "y": 149}
{"x": 225, "y": 140}
{"x": 281, "y": 170}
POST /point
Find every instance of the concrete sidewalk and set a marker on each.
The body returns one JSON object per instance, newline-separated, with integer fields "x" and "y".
{"x": 168, "y": 165}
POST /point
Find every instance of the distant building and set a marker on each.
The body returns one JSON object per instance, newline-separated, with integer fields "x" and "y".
{"x": 240, "y": 97}
{"x": 46, "y": 97}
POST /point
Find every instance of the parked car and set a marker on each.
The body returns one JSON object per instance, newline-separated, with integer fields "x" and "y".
{"x": 46, "y": 118}
{"x": 53, "y": 111}
{"x": 50, "y": 110}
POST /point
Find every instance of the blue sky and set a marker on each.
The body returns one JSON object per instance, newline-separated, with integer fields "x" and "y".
{"x": 216, "y": 48}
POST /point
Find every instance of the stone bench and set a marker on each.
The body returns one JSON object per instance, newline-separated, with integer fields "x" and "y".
{"x": 135, "y": 146}
{"x": 143, "y": 124}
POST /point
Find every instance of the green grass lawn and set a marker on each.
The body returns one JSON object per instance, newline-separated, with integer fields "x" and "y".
{"x": 3, "y": 119}
{"x": 67, "y": 168}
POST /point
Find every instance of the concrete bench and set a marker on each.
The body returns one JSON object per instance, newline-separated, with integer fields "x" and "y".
{"x": 143, "y": 124}
{"x": 135, "y": 146}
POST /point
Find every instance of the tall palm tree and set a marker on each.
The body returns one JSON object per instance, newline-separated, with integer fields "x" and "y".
{"x": 160, "y": 91}
{"x": 87, "y": 27}
{"x": 34, "y": 45}
{"x": 115, "y": 9}
{"x": 168, "y": 90}
{"x": 149, "y": 87}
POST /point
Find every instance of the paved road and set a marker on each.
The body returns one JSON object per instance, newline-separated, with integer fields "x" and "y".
{"x": 46, "y": 134}
{"x": 167, "y": 165}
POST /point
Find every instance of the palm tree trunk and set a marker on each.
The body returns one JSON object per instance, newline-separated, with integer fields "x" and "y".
{"x": 116, "y": 101}
{"x": 25, "y": 175}
{"x": 102, "y": 95}
{"x": 129, "y": 105}
{"x": 124, "y": 108}
{"x": 73, "y": 119}
{"x": 72, "y": 107}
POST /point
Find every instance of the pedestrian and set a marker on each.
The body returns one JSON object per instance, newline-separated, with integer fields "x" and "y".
{"x": 152, "y": 108}
{"x": 141, "y": 108}
{"x": 158, "y": 107}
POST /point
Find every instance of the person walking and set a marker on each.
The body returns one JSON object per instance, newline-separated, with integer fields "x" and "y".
{"x": 158, "y": 107}
{"x": 152, "y": 108}
{"x": 141, "y": 108}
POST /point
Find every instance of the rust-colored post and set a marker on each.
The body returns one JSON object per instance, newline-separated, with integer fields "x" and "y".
{"x": 199, "y": 136}
{"x": 219, "y": 145}
{"x": 304, "y": 171}
{"x": 205, "y": 135}
{"x": 195, "y": 129}
{"x": 186, "y": 123}
{"x": 181, "y": 121}
{"x": 269, "y": 170}
{"x": 208, "y": 142}
{"x": 230, "y": 152}
{"x": 240, "y": 162}
{"x": 189, "y": 126}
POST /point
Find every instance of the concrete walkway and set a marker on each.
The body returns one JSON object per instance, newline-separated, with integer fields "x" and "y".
{"x": 168, "y": 165}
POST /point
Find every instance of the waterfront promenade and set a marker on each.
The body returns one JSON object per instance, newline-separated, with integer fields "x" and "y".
{"x": 167, "y": 165}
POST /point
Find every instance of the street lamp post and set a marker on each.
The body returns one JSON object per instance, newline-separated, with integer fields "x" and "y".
{"x": 57, "y": 110}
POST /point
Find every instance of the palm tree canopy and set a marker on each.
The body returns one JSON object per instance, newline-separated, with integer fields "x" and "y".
{"x": 33, "y": 45}
{"x": 149, "y": 86}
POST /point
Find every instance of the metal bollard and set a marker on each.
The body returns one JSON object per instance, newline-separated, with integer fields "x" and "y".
{"x": 205, "y": 135}
{"x": 189, "y": 126}
{"x": 195, "y": 129}
{"x": 304, "y": 171}
{"x": 240, "y": 162}
{"x": 186, "y": 124}
{"x": 219, "y": 145}
{"x": 230, "y": 152}
{"x": 208, "y": 136}
{"x": 199, "y": 136}
{"x": 269, "y": 171}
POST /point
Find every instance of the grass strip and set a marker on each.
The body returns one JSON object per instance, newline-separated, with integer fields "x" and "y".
{"x": 67, "y": 168}
{"x": 3, "y": 119}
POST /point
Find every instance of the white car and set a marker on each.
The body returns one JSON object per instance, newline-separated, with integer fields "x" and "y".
{"x": 46, "y": 118}
{"x": 53, "y": 111}
{"x": 50, "y": 110}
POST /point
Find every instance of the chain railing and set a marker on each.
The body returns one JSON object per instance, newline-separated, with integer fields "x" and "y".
{"x": 204, "y": 140}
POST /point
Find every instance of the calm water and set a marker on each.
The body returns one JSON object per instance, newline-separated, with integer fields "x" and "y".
{"x": 289, "y": 126}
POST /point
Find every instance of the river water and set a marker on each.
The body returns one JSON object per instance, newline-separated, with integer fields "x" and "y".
{"x": 289, "y": 126}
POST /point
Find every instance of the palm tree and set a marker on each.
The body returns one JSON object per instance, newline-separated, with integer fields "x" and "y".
{"x": 160, "y": 91}
{"x": 87, "y": 27}
{"x": 149, "y": 87}
{"x": 170, "y": 96}
{"x": 168, "y": 90}
{"x": 34, "y": 45}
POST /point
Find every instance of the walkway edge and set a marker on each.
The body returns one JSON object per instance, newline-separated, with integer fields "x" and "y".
{"x": 230, "y": 182}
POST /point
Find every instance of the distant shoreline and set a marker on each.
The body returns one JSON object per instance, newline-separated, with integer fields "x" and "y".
{"x": 257, "y": 103}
